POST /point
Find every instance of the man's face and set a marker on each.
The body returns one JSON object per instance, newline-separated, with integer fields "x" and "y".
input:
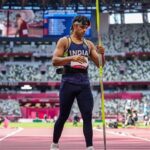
{"x": 17, "y": 18}
{"x": 80, "y": 29}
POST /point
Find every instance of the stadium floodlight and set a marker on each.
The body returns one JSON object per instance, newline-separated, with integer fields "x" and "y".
{"x": 26, "y": 87}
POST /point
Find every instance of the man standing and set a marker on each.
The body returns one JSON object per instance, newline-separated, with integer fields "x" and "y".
{"x": 72, "y": 52}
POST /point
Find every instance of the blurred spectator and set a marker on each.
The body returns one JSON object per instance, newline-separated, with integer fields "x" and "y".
{"x": 76, "y": 120}
{"x": 146, "y": 120}
{"x": 6, "y": 123}
{"x": 46, "y": 118}
{"x": 126, "y": 42}
{"x": 1, "y": 119}
{"x": 3, "y": 29}
{"x": 134, "y": 116}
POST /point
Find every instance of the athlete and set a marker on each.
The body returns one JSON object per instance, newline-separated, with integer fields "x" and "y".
{"x": 72, "y": 52}
{"x": 22, "y": 29}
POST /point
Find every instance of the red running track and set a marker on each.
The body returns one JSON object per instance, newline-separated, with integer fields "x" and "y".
{"x": 72, "y": 139}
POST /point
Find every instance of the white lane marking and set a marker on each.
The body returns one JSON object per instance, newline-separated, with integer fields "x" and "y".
{"x": 124, "y": 134}
{"x": 11, "y": 134}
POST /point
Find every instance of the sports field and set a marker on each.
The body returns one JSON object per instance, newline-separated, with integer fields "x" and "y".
{"x": 31, "y": 136}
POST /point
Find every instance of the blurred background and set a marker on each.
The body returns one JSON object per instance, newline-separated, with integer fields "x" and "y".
{"x": 29, "y": 85}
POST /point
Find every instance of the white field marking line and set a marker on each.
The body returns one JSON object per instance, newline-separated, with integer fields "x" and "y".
{"x": 11, "y": 134}
{"x": 124, "y": 134}
{"x": 38, "y": 135}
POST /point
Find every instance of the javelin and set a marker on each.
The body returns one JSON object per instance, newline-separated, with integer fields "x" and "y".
{"x": 101, "y": 74}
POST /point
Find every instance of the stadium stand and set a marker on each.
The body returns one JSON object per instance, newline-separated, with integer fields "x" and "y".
{"x": 28, "y": 62}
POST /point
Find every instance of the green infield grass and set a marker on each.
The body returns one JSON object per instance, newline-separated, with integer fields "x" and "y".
{"x": 67, "y": 124}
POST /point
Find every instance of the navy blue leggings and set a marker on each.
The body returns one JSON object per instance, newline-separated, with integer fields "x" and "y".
{"x": 68, "y": 92}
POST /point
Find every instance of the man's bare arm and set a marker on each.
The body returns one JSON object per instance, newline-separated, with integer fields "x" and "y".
{"x": 19, "y": 22}
{"x": 97, "y": 54}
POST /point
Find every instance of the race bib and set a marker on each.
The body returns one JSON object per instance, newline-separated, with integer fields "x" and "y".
{"x": 25, "y": 32}
{"x": 78, "y": 65}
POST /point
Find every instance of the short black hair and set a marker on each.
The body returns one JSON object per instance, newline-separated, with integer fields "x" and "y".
{"x": 80, "y": 19}
{"x": 18, "y": 15}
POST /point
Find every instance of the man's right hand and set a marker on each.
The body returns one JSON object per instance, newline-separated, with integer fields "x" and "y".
{"x": 79, "y": 58}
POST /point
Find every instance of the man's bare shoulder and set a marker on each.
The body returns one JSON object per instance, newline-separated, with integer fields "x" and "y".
{"x": 90, "y": 44}
{"x": 63, "y": 42}
{"x": 63, "y": 39}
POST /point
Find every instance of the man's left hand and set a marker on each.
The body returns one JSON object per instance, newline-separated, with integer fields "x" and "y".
{"x": 100, "y": 49}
